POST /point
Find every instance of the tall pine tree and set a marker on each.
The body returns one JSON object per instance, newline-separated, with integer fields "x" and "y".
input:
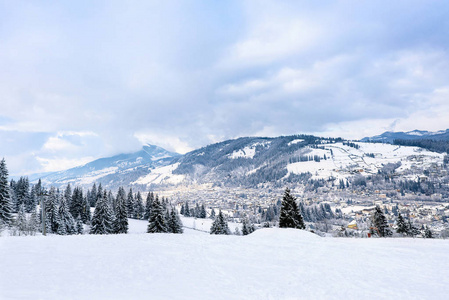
{"x": 102, "y": 220}
{"x": 290, "y": 217}
{"x": 5, "y": 197}
{"x": 380, "y": 222}
{"x": 156, "y": 222}
{"x": 148, "y": 204}
{"x": 66, "y": 221}
{"x": 121, "y": 213}
{"x": 220, "y": 225}
{"x": 402, "y": 225}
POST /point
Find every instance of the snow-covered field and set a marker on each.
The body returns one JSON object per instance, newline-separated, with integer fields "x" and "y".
{"x": 268, "y": 264}
{"x": 343, "y": 160}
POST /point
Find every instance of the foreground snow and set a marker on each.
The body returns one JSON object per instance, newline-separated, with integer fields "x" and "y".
{"x": 269, "y": 264}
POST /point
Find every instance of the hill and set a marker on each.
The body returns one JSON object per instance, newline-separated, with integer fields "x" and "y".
{"x": 111, "y": 171}
{"x": 247, "y": 162}
{"x": 390, "y": 136}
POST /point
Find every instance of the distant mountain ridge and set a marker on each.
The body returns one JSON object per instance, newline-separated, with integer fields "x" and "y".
{"x": 247, "y": 162}
{"x": 121, "y": 168}
{"x": 390, "y": 136}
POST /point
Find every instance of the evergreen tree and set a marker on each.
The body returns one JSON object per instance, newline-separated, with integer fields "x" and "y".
{"x": 186, "y": 210}
{"x": 68, "y": 195}
{"x": 402, "y": 225}
{"x": 427, "y": 233}
{"x": 85, "y": 214}
{"x": 5, "y": 197}
{"x": 247, "y": 227}
{"x": 130, "y": 204}
{"x": 220, "y": 225}
{"x": 156, "y": 222}
{"x": 79, "y": 225}
{"x": 212, "y": 214}
{"x": 51, "y": 211}
{"x": 197, "y": 211}
{"x": 148, "y": 204}
{"x": 138, "y": 207}
{"x": 34, "y": 223}
{"x": 290, "y": 217}
{"x": 380, "y": 222}
{"x": 66, "y": 221}
{"x": 21, "y": 222}
{"x": 93, "y": 196}
{"x": 182, "y": 209}
{"x": 77, "y": 205}
{"x": 102, "y": 218}
{"x": 22, "y": 194}
{"x": 174, "y": 223}
{"x": 202, "y": 212}
{"x": 412, "y": 230}
{"x": 121, "y": 214}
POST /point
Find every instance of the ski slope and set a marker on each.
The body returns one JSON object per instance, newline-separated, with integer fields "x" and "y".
{"x": 268, "y": 264}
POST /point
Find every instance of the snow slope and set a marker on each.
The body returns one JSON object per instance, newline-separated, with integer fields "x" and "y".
{"x": 269, "y": 264}
{"x": 343, "y": 160}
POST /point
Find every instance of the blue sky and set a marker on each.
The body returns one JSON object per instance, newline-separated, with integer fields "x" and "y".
{"x": 86, "y": 79}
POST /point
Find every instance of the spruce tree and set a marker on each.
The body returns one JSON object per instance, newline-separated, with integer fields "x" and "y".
{"x": 77, "y": 205}
{"x": 203, "y": 212}
{"x": 197, "y": 211}
{"x": 380, "y": 222}
{"x": 290, "y": 217}
{"x": 79, "y": 226}
{"x": 138, "y": 207}
{"x": 52, "y": 211}
{"x": 93, "y": 196}
{"x": 68, "y": 195}
{"x": 85, "y": 214}
{"x": 220, "y": 225}
{"x": 102, "y": 218}
{"x": 427, "y": 233}
{"x": 121, "y": 214}
{"x": 148, "y": 204}
{"x": 130, "y": 204}
{"x": 402, "y": 225}
{"x": 21, "y": 222}
{"x": 156, "y": 222}
{"x": 212, "y": 214}
{"x": 186, "y": 210}
{"x": 5, "y": 197}
{"x": 34, "y": 223}
{"x": 66, "y": 221}
{"x": 412, "y": 229}
{"x": 247, "y": 227}
{"x": 174, "y": 223}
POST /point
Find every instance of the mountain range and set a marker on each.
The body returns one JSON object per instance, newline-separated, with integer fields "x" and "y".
{"x": 390, "y": 136}
{"x": 245, "y": 162}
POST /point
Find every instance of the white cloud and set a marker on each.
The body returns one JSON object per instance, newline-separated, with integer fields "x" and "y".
{"x": 201, "y": 72}
{"x": 60, "y": 164}
{"x": 169, "y": 142}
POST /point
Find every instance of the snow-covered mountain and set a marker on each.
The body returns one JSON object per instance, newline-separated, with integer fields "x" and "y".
{"x": 247, "y": 162}
{"x": 390, "y": 136}
{"x": 257, "y": 162}
{"x": 112, "y": 171}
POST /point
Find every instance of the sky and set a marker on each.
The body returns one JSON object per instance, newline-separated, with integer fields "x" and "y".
{"x": 81, "y": 80}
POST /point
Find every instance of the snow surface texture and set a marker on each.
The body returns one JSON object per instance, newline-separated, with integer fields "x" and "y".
{"x": 346, "y": 159}
{"x": 268, "y": 264}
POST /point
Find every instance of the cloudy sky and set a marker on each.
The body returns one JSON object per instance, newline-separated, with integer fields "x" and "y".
{"x": 86, "y": 79}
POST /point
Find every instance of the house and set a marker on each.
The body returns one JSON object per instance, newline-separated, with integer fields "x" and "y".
{"x": 352, "y": 225}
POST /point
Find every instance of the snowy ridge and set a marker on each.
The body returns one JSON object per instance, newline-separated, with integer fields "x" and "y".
{"x": 343, "y": 161}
